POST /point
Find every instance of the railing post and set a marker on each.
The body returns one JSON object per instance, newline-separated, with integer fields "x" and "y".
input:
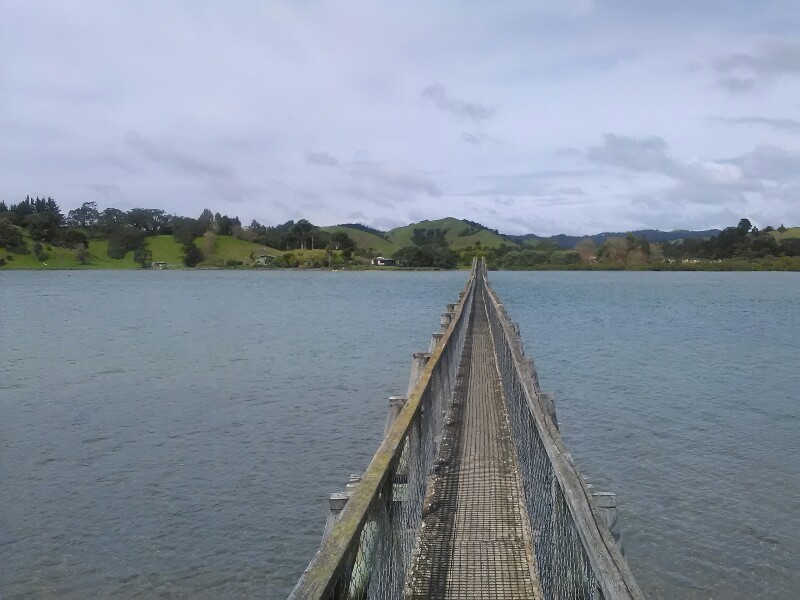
{"x": 396, "y": 404}
{"x": 606, "y": 502}
{"x": 445, "y": 320}
{"x": 336, "y": 503}
{"x": 435, "y": 339}
{"x": 549, "y": 404}
{"x": 417, "y": 366}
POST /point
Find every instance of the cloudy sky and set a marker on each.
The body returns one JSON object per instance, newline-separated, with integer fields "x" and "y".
{"x": 572, "y": 116}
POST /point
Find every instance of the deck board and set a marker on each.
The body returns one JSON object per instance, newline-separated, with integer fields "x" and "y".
{"x": 474, "y": 541}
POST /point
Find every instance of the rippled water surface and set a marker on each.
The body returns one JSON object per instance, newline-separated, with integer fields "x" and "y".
{"x": 177, "y": 433}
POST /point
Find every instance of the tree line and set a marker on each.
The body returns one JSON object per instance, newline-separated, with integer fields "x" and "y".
{"x": 742, "y": 242}
{"x": 46, "y": 225}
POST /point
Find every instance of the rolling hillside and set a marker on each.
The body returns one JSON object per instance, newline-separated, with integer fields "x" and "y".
{"x": 790, "y": 233}
{"x": 218, "y": 250}
{"x": 366, "y": 240}
{"x": 401, "y": 236}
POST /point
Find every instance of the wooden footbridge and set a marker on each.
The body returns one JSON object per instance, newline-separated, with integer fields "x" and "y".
{"x": 472, "y": 493}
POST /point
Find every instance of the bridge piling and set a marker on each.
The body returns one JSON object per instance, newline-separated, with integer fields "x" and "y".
{"x": 445, "y": 320}
{"x": 549, "y": 404}
{"x": 336, "y": 503}
{"x": 436, "y": 338}
{"x": 418, "y": 362}
{"x": 396, "y": 404}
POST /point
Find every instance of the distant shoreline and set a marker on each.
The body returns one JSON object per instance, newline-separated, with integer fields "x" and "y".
{"x": 708, "y": 267}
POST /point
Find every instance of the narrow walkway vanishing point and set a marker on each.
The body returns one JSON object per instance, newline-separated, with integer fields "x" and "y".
{"x": 472, "y": 493}
{"x": 475, "y": 541}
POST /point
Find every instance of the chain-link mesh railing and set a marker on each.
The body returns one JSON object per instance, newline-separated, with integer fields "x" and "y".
{"x": 575, "y": 553}
{"x": 368, "y": 550}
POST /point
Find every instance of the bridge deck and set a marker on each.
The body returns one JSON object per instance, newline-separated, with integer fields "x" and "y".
{"x": 474, "y": 541}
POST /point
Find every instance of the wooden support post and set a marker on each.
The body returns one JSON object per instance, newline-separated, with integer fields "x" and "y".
{"x": 417, "y": 365}
{"x": 336, "y": 503}
{"x": 451, "y": 307}
{"x": 445, "y": 320}
{"x": 534, "y": 374}
{"x": 606, "y": 502}
{"x": 435, "y": 339}
{"x": 396, "y": 404}
{"x": 548, "y": 401}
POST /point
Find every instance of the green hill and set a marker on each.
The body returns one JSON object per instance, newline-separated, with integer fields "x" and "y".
{"x": 218, "y": 250}
{"x": 792, "y": 232}
{"x": 459, "y": 234}
{"x": 366, "y": 240}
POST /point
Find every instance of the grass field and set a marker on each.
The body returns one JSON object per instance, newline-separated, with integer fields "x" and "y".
{"x": 366, "y": 240}
{"x": 401, "y": 237}
{"x": 792, "y": 232}
{"x": 164, "y": 248}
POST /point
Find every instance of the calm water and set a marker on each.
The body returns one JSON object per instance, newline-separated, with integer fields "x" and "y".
{"x": 177, "y": 433}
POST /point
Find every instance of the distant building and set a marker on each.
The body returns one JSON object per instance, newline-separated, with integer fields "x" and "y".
{"x": 160, "y": 265}
{"x": 262, "y": 257}
{"x": 380, "y": 261}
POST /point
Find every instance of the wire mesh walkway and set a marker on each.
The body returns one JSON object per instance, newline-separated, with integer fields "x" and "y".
{"x": 475, "y": 535}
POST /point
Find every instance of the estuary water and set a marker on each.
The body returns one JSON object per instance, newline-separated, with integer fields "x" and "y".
{"x": 176, "y": 434}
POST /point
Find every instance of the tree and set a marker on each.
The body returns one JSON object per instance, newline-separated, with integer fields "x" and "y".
{"x": 112, "y": 219}
{"x": 143, "y": 257}
{"x": 149, "y": 220}
{"x": 123, "y": 241}
{"x": 302, "y": 230}
{"x": 427, "y": 256}
{"x": 329, "y": 254}
{"x": 206, "y": 219}
{"x": 85, "y": 216}
{"x": 613, "y": 250}
{"x": 587, "y": 249}
{"x": 744, "y": 226}
{"x": 75, "y": 238}
{"x": 186, "y": 229}
{"x": 42, "y": 226}
{"x": 39, "y": 253}
{"x": 429, "y": 236}
{"x": 83, "y": 256}
{"x": 11, "y": 238}
{"x": 192, "y": 255}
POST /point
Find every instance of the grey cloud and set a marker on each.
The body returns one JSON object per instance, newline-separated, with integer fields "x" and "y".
{"x": 395, "y": 175}
{"x": 233, "y": 191}
{"x": 737, "y": 85}
{"x": 684, "y": 193}
{"x": 478, "y": 139}
{"x": 387, "y": 223}
{"x": 649, "y": 155}
{"x": 437, "y": 94}
{"x": 779, "y": 124}
{"x": 322, "y": 159}
{"x": 745, "y": 71}
{"x": 571, "y": 191}
{"x": 108, "y": 191}
{"x": 177, "y": 160}
{"x": 470, "y": 138}
{"x": 357, "y": 216}
{"x": 770, "y": 163}
{"x": 637, "y": 154}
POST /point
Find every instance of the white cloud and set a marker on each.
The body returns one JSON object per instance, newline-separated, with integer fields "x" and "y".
{"x": 328, "y": 109}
